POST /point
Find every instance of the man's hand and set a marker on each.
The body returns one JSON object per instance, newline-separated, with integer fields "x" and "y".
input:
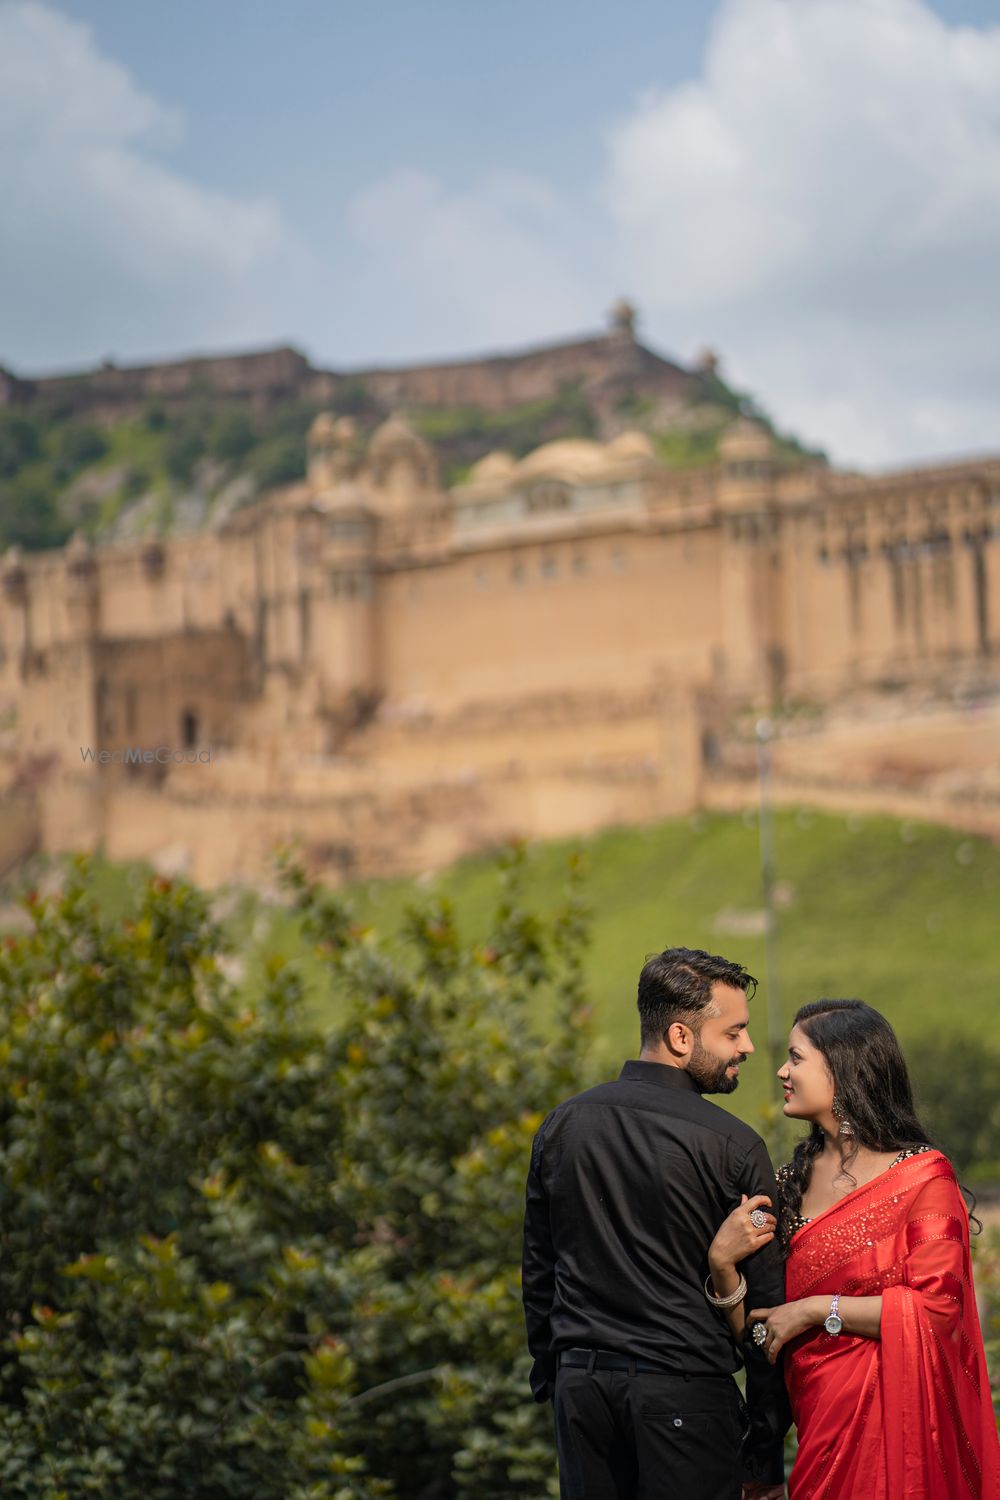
{"x": 763, "y": 1492}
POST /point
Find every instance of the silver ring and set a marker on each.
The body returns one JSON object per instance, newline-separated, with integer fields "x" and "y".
{"x": 759, "y": 1334}
{"x": 758, "y": 1218}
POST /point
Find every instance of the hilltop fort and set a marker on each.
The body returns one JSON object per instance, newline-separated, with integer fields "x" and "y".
{"x": 609, "y": 368}
{"x": 398, "y": 670}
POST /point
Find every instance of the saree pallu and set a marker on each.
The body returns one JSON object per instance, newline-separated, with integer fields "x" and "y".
{"x": 910, "y": 1414}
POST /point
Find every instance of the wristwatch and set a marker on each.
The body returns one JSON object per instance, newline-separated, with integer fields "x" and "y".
{"x": 833, "y": 1322}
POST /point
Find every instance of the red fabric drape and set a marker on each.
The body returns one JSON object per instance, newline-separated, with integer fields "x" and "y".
{"x": 908, "y": 1415}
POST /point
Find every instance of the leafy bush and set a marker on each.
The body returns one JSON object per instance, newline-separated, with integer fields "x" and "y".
{"x": 232, "y": 434}
{"x": 135, "y": 482}
{"x": 20, "y": 442}
{"x": 184, "y": 444}
{"x": 78, "y": 444}
{"x": 29, "y": 514}
{"x": 279, "y": 461}
{"x": 244, "y": 1258}
{"x": 955, "y": 1084}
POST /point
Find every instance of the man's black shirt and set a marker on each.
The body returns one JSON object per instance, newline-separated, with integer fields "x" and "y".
{"x": 627, "y": 1187}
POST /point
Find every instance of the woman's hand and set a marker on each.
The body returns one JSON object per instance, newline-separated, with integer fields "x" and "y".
{"x": 786, "y": 1322}
{"x": 738, "y": 1237}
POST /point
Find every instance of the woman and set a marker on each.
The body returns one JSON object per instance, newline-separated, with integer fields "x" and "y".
{"x": 883, "y": 1351}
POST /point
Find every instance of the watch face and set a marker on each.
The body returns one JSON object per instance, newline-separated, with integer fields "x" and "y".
{"x": 833, "y": 1324}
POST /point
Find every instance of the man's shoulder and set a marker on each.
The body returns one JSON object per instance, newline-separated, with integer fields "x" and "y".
{"x": 743, "y": 1136}
{"x": 596, "y": 1094}
{"x": 698, "y": 1109}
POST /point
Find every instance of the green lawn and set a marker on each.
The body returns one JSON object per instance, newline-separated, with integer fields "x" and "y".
{"x": 901, "y": 915}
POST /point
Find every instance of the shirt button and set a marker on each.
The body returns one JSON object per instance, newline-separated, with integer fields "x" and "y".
{"x": 678, "y": 1421}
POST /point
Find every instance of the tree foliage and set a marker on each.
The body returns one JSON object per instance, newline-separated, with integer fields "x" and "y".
{"x": 954, "y": 1078}
{"x": 244, "y": 1257}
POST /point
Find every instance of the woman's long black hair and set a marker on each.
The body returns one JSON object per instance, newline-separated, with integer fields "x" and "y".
{"x": 872, "y": 1088}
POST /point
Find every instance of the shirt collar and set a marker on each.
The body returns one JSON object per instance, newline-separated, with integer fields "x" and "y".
{"x": 641, "y": 1071}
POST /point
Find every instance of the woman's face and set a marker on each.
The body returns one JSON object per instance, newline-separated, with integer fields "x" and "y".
{"x": 805, "y": 1079}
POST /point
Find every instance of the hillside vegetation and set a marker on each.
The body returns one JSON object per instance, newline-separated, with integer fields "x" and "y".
{"x": 181, "y": 465}
{"x": 901, "y": 915}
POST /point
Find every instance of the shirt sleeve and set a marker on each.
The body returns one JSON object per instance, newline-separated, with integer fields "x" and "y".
{"x": 538, "y": 1275}
{"x": 768, "y": 1411}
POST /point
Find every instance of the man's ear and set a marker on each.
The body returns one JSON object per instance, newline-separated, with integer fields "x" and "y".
{"x": 679, "y": 1039}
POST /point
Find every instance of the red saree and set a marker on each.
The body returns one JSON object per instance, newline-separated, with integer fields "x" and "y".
{"x": 909, "y": 1414}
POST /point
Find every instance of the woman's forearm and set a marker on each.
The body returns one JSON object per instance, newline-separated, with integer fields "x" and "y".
{"x": 860, "y": 1315}
{"x": 725, "y": 1280}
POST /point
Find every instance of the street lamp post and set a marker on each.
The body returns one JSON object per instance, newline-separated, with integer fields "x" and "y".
{"x": 765, "y": 733}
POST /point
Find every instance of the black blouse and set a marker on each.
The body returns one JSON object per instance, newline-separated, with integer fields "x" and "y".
{"x": 782, "y": 1176}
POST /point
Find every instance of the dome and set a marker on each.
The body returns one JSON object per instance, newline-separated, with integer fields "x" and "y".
{"x": 495, "y": 465}
{"x": 344, "y": 430}
{"x": 631, "y": 445}
{"x": 746, "y": 440}
{"x": 396, "y": 438}
{"x": 323, "y": 428}
{"x": 572, "y": 457}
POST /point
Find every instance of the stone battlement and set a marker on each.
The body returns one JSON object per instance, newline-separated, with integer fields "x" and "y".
{"x": 607, "y": 366}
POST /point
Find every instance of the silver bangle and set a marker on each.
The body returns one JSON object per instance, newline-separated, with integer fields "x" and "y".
{"x": 733, "y": 1297}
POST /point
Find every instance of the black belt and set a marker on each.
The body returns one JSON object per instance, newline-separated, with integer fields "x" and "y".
{"x": 610, "y": 1359}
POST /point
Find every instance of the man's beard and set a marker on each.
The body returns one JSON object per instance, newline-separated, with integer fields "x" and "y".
{"x": 709, "y": 1074}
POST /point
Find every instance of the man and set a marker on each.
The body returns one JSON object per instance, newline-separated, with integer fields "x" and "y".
{"x": 627, "y": 1186}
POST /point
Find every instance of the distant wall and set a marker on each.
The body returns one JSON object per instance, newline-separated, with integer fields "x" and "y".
{"x": 607, "y": 366}
{"x": 272, "y": 374}
{"x": 20, "y": 830}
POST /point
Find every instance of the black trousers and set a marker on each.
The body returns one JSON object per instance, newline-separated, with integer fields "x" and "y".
{"x": 647, "y": 1436}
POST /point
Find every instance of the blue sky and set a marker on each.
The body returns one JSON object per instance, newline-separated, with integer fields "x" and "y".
{"x": 812, "y": 187}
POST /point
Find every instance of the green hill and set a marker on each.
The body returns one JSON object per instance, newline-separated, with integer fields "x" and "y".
{"x": 182, "y": 464}
{"x": 901, "y": 915}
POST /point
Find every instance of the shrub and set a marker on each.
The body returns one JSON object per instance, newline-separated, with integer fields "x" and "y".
{"x": 78, "y": 444}
{"x": 279, "y": 461}
{"x": 183, "y": 446}
{"x": 232, "y": 434}
{"x": 955, "y": 1084}
{"x": 244, "y": 1258}
{"x": 20, "y": 443}
{"x": 29, "y": 514}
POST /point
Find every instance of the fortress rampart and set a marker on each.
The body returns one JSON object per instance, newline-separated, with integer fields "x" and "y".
{"x": 398, "y": 673}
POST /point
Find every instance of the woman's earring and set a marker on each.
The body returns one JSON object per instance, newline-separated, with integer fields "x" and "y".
{"x": 846, "y": 1128}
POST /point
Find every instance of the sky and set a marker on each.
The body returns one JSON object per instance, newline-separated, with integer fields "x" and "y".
{"x": 809, "y": 187}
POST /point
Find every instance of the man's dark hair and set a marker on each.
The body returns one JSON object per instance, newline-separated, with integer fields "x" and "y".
{"x": 676, "y": 985}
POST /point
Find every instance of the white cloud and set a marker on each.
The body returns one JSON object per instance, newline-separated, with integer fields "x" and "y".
{"x": 106, "y": 249}
{"x": 499, "y": 263}
{"x": 823, "y": 203}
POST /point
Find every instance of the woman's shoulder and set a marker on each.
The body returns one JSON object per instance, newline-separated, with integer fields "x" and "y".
{"x": 909, "y": 1151}
{"x": 929, "y": 1157}
{"x": 928, "y": 1171}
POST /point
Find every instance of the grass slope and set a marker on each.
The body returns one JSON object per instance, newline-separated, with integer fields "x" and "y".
{"x": 901, "y": 915}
